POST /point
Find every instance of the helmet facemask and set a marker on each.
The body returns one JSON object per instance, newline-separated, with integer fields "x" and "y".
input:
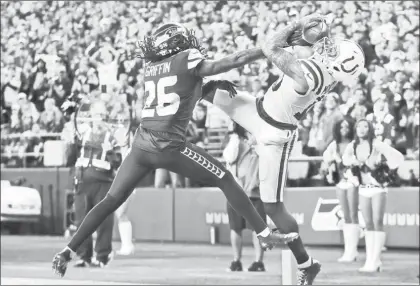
{"x": 326, "y": 50}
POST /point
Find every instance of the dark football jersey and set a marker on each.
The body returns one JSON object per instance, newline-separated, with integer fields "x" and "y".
{"x": 172, "y": 88}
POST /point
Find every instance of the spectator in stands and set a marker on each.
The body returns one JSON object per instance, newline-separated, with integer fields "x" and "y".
{"x": 107, "y": 66}
{"x": 124, "y": 90}
{"x": 347, "y": 192}
{"x": 361, "y": 106}
{"x": 315, "y": 134}
{"x": 51, "y": 119}
{"x": 60, "y": 87}
{"x": 39, "y": 85}
{"x": 329, "y": 117}
{"x": 242, "y": 161}
{"x": 27, "y": 110}
{"x": 368, "y": 170}
{"x": 310, "y": 152}
{"x": 383, "y": 122}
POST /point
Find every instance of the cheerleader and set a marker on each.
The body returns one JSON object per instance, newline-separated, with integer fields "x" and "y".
{"x": 373, "y": 164}
{"x": 347, "y": 193}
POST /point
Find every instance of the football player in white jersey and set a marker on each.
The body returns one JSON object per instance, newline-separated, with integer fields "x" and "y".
{"x": 273, "y": 118}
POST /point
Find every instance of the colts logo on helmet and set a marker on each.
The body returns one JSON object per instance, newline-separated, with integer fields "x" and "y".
{"x": 353, "y": 69}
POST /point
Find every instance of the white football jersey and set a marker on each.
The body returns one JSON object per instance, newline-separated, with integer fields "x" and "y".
{"x": 286, "y": 105}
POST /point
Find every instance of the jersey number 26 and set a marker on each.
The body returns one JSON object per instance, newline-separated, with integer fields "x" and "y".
{"x": 167, "y": 103}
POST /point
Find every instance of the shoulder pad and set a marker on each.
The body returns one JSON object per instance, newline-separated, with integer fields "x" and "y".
{"x": 194, "y": 58}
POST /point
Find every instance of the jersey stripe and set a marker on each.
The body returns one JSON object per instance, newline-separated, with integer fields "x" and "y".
{"x": 322, "y": 76}
{"x": 313, "y": 73}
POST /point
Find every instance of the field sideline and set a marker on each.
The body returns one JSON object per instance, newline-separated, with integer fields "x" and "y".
{"x": 26, "y": 260}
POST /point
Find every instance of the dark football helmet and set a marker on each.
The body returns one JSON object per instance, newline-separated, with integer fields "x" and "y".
{"x": 170, "y": 38}
{"x": 167, "y": 40}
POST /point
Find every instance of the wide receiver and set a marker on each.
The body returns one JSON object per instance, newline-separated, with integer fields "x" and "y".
{"x": 174, "y": 71}
{"x": 273, "y": 118}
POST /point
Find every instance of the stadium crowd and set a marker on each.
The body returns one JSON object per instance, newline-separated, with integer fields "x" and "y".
{"x": 51, "y": 49}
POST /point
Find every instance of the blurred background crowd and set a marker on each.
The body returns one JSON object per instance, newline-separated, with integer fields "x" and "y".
{"x": 52, "y": 49}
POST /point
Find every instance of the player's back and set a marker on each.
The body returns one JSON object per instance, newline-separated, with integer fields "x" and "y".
{"x": 172, "y": 89}
{"x": 284, "y": 104}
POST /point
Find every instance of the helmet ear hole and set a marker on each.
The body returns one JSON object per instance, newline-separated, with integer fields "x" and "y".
{"x": 336, "y": 68}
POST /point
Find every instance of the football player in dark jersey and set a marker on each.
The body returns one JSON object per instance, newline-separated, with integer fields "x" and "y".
{"x": 174, "y": 71}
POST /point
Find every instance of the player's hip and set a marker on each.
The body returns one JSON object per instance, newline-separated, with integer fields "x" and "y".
{"x": 158, "y": 141}
{"x": 272, "y": 131}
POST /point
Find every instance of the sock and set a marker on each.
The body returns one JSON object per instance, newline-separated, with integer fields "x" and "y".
{"x": 305, "y": 264}
{"x": 69, "y": 250}
{"x": 298, "y": 250}
{"x": 241, "y": 203}
{"x": 93, "y": 220}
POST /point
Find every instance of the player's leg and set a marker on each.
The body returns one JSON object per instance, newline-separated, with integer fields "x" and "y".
{"x": 133, "y": 169}
{"x": 273, "y": 176}
{"x": 242, "y": 109}
{"x": 194, "y": 162}
{"x": 103, "y": 245}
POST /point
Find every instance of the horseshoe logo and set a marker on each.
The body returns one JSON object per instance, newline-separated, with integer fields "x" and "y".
{"x": 348, "y": 70}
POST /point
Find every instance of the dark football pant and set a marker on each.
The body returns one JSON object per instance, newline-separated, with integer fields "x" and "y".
{"x": 191, "y": 161}
{"x": 86, "y": 197}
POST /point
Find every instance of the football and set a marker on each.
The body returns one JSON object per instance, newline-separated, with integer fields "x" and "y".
{"x": 314, "y": 31}
{"x": 310, "y": 34}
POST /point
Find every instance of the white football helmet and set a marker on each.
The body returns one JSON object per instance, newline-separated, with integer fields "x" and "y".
{"x": 344, "y": 59}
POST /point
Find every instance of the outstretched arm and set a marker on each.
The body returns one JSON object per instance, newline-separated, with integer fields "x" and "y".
{"x": 273, "y": 48}
{"x": 236, "y": 60}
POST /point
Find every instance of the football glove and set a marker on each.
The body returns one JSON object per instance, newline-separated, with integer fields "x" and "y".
{"x": 209, "y": 88}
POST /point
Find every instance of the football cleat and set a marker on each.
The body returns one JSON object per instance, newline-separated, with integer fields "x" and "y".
{"x": 306, "y": 276}
{"x": 60, "y": 261}
{"x": 276, "y": 238}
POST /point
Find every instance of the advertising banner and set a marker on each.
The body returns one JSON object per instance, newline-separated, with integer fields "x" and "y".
{"x": 316, "y": 210}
